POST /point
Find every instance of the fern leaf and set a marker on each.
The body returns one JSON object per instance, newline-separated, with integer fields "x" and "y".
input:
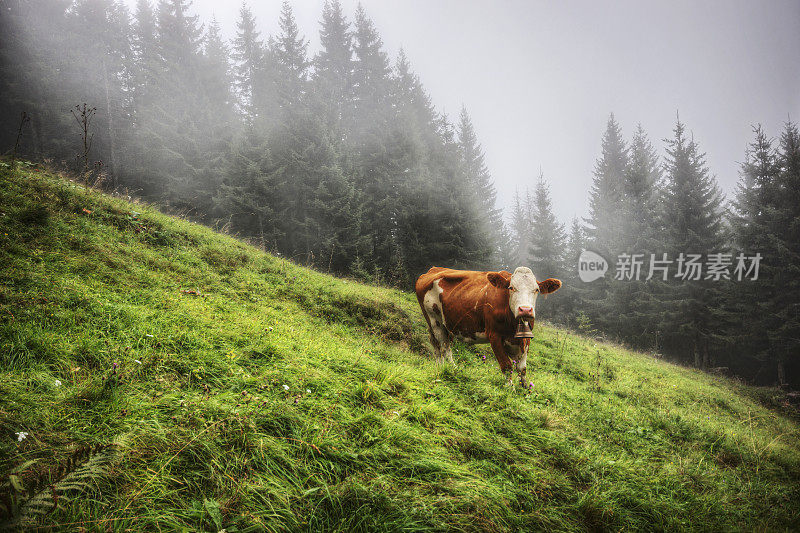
{"x": 85, "y": 469}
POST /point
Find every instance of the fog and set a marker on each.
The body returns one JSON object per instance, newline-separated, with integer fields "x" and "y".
{"x": 540, "y": 78}
{"x": 461, "y": 248}
{"x": 337, "y": 157}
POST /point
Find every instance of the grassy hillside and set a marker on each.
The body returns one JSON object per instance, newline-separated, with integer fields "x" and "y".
{"x": 173, "y": 378}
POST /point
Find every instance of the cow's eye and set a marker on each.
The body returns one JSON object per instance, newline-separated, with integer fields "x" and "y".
{"x": 511, "y": 288}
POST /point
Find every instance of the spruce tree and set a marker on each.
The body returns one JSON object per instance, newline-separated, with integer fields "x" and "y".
{"x": 371, "y": 73}
{"x": 144, "y": 64}
{"x": 605, "y": 223}
{"x": 786, "y": 228}
{"x": 300, "y": 147}
{"x": 479, "y": 181}
{"x": 333, "y": 67}
{"x": 476, "y": 250}
{"x": 412, "y": 103}
{"x": 437, "y": 212}
{"x": 640, "y": 194}
{"x": 248, "y": 195}
{"x": 289, "y": 50}
{"x": 172, "y": 130}
{"x": 633, "y": 301}
{"x": 335, "y": 224}
{"x": 216, "y": 71}
{"x": 571, "y": 291}
{"x": 186, "y": 133}
{"x": 521, "y": 221}
{"x": 247, "y": 54}
{"x": 377, "y": 153}
{"x": 576, "y": 242}
{"x": 336, "y": 207}
{"x": 429, "y": 165}
{"x": 179, "y": 38}
{"x": 146, "y": 70}
{"x": 546, "y": 235}
{"x": 505, "y": 258}
{"x": 547, "y": 244}
{"x": 754, "y": 215}
{"x": 314, "y": 193}
{"x": 218, "y": 117}
{"x": 415, "y": 155}
{"x": 693, "y": 224}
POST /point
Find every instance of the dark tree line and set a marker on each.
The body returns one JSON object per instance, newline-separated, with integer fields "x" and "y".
{"x": 338, "y": 160}
{"x": 664, "y": 212}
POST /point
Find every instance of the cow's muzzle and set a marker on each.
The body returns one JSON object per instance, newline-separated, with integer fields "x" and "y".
{"x": 525, "y": 312}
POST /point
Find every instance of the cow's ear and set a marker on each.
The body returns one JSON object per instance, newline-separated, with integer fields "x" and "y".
{"x": 549, "y": 285}
{"x": 501, "y": 280}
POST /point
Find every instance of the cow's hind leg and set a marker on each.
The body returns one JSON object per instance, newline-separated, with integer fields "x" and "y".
{"x": 437, "y": 346}
{"x": 447, "y": 353}
{"x": 440, "y": 337}
{"x": 440, "y": 340}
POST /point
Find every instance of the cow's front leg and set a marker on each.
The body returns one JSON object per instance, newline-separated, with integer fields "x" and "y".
{"x": 522, "y": 364}
{"x": 517, "y": 349}
{"x": 503, "y": 360}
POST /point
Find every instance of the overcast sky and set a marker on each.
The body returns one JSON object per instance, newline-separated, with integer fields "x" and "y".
{"x": 540, "y": 78}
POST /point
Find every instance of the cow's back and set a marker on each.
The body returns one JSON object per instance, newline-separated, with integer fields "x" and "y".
{"x": 459, "y": 294}
{"x": 448, "y": 277}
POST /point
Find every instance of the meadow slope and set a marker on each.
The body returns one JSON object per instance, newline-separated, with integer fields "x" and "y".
{"x": 172, "y": 378}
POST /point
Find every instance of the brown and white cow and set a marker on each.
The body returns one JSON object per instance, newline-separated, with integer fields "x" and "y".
{"x": 481, "y": 307}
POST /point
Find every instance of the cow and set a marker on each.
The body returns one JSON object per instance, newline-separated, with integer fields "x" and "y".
{"x": 482, "y": 307}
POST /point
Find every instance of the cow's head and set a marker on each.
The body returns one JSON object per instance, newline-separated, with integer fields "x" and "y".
{"x": 523, "y": 288}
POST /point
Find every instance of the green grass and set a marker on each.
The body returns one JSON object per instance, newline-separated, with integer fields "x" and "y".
{"x": 371, "y": 434}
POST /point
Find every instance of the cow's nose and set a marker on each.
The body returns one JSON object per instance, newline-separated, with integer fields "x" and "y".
{"x": 525, "y": 310}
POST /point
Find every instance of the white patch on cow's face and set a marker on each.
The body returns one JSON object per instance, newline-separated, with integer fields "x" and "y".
{"x": 522, "y": 293}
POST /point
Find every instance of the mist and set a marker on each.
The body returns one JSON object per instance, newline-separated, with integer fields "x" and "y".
{"x": 342, "y": 265}
{"x": 540, "y": 79}
{"x": 376, "y": 140}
